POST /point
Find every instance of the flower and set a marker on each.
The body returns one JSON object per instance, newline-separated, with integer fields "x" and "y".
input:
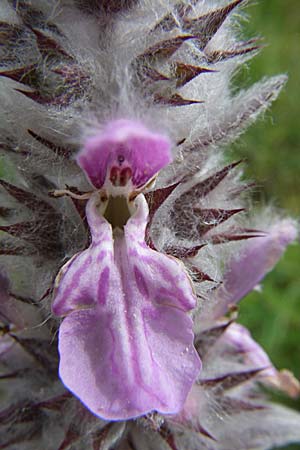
{"x": 125, "y": 303}
{"x": 242, "y": 275}
{"x": 116, "y": 96}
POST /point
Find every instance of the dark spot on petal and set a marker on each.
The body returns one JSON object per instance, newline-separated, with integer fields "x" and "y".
{"x": 121, "y": 159}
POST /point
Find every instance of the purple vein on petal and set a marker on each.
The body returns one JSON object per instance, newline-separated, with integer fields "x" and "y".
{"x": 103, "y": 286}
{"x": 140, "y": 281}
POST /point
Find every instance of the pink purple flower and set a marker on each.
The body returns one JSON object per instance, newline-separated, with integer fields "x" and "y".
{"x": 256, "y": 258}
{"x": 126, "y": 344}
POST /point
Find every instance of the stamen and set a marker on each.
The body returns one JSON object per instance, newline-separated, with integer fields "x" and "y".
{"x": 62, "y": 192}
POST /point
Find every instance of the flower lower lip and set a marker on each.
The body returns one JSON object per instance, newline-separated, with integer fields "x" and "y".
{"x": 126, "y": 332}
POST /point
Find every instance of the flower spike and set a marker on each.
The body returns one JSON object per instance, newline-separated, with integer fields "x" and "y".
{"x": 126, "y": 311}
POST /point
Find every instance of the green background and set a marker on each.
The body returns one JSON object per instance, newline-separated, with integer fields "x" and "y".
{"x": 272, "y": 150}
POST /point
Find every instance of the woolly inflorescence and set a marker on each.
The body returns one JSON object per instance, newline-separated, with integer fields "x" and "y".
{"x": 73, "y": 74}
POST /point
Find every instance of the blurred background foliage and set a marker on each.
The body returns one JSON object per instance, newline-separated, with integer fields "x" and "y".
{"x": 272, "y": 150}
